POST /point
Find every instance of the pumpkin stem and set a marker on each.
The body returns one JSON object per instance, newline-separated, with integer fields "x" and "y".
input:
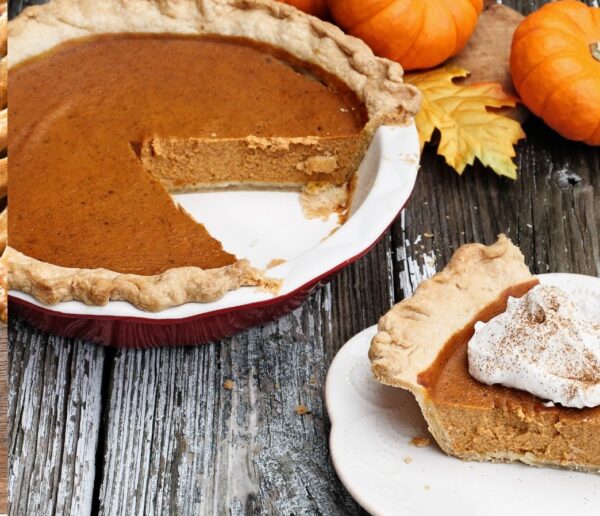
{"x": 595, "y": 49}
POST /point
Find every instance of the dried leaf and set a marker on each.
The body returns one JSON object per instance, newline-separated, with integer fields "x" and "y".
{"x": 468, "y": 128}
{"x": 229, "y": 385}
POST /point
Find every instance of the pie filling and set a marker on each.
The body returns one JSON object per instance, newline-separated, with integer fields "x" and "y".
{"x": 103, "y": 128}
{"x": 184, "y": 164}
{"x": 497, "y": 421}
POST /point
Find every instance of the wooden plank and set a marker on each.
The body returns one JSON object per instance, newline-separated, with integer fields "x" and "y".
{"x": 55, "y": 399}
{"x": 552, "y": 212}
{"x": 180, "y": 442}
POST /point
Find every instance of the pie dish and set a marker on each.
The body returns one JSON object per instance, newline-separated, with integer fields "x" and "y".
{"x": 421, "y": 346}
{"x": 309, "y": 90}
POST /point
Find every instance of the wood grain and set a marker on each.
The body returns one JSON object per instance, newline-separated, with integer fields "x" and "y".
{"x": 54, "y": 415}
{"x": 155, "y": 432}
{"x": 203, "y": 448}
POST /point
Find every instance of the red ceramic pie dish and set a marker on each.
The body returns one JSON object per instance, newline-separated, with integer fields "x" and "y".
{"x": 385, "y": 181}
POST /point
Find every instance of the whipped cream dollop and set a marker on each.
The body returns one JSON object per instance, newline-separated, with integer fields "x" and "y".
{"x": 543, "y": 345}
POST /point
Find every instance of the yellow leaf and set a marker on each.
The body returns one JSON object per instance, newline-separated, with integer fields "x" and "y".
{"x": 468, "y": 128}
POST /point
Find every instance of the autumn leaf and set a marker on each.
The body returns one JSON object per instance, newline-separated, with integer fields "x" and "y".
{"x": 468, "y": 128}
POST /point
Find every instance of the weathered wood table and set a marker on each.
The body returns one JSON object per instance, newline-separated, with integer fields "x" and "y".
{"x": 155, "y": 432}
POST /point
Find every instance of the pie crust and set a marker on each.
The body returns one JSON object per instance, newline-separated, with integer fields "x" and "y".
{"x": 152, "y": 293}
{"x": 376, "y": 82}
{"x": 3, "y": 160}
{"x": 470, "y": 420}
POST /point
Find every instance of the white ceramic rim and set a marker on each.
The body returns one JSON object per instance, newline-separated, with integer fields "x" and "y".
{"x": 392, "y": 158}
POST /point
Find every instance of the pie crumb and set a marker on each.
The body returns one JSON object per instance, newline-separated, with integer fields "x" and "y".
{"x": 275, "y": 262}
{"x": 420, "y": 442}
{"x": 320, "y": 200}
{"x": 302, "y": 410}
{"x": 228, "y": 384}
{"x": 407, "y": 460}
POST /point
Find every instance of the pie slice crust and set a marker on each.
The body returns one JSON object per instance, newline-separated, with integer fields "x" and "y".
{"x": 377, "y": 84}
{"x": 421, "y": 347}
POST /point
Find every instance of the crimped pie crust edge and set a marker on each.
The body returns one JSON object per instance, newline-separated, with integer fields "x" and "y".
{"x": 53, "y": 284}
{"x": 413, "y": 333}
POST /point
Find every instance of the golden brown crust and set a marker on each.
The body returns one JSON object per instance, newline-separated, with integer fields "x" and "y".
{"x": 3, "y": 291}
{"x": 3, "y": 229}
{"x": 52, "y": 284}
{"x": 377, "y": 83}
{"x": 3, "y": 30}
{"x": 413, "y": 333}
{"x": 530, "y": 459}
{"x": 3, "y": 129}
{"x": 3, "y": 82}
{"x": 3, "y": 177}
{"x": 4, "y": 161}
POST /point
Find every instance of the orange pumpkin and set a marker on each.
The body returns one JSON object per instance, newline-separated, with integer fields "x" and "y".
{"x": 314, "y": 7}
{"x": 416, "y": 33}
{"x": 555, "y": 66}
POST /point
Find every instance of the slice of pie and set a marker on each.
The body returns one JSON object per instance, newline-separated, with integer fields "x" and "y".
{"x": 422, "y": 347}
{"x": 116, "y": 105}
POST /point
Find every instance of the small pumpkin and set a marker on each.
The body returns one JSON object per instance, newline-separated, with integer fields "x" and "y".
{"x": 555, "y": 66}
{"x": 417, "y": 33}
{"x": 314, "y": 7}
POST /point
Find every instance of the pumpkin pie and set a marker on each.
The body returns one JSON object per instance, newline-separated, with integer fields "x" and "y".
{"x": 422, "y": 346}
{"x": 116, "y": 105}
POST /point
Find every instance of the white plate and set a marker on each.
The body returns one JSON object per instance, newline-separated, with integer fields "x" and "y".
{"x": 372, "y": 426}
{"x": 274, "y": 227}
